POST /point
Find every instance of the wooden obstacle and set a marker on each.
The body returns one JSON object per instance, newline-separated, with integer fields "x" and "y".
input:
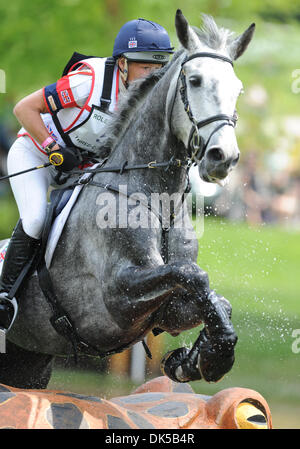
{"x": 158, "y": 404}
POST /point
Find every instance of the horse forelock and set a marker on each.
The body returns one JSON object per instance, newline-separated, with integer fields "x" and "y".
{"x": 212, "y": 36}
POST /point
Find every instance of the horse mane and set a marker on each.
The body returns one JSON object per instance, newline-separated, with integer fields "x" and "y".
{"x": 209, "y": 34}
{"x": 132, "y": 100}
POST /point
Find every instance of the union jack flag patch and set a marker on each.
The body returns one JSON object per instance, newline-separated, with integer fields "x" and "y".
{"x": 132, "y": 44}
{"x": 65, "y": 96}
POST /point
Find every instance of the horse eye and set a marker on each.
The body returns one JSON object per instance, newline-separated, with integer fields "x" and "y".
{"x": 195, "y": 81}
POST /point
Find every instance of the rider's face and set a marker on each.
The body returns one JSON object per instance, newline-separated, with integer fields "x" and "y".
{"x": 138, "y": 70}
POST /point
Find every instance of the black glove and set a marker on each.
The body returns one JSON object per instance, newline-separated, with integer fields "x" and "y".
{"x": 65, "y": 159}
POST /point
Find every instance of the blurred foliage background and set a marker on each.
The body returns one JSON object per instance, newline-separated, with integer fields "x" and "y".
{"x": 254, "y": 261}
{"x": 37, "y": 39}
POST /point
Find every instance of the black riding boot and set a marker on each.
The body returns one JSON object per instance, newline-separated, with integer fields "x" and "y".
{"x": 20, "y": 251}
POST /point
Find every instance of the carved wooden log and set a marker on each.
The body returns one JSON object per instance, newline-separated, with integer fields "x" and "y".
{"x": 157, "y": 404}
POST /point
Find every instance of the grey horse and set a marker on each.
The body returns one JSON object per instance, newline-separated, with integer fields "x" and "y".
{"x": 121, "y": 281}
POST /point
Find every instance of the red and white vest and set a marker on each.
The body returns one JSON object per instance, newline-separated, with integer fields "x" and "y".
{"x": 84, "y": 127}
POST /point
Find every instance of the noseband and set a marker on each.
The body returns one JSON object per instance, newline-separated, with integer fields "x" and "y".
{"x": 196, "y": 144}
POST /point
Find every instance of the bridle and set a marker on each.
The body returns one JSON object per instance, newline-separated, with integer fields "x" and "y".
{"x": 196, "y": 144}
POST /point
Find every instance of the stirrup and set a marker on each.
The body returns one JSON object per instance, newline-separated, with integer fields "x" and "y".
{"x": 14, "y": 302}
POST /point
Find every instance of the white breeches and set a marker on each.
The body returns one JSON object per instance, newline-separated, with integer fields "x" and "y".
{"x": 30, "y": 189}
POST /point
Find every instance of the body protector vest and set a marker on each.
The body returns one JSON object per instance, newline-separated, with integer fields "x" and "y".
{"x": 84, "y": 128}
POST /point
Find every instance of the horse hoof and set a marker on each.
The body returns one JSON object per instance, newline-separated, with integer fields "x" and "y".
{"x": 173, "y": 360}
{"x": 213, "y": 366}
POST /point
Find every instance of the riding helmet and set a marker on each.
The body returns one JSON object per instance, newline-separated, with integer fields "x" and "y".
{"x": 143, "y": 41}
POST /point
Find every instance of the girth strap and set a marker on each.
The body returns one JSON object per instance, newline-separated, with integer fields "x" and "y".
{"x": 59, "y": 319}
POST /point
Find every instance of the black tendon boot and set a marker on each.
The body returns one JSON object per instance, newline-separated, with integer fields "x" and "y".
{"x": 21, "y": 249}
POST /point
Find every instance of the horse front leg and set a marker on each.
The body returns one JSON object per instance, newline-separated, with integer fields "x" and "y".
{"x": 181, "y": 312}
{"x": 147, "y": 289}
{"x": 203, "y": 361}
{"x": 214, "y": 312}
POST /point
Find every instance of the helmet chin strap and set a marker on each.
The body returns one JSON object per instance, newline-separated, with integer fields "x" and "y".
{"x": 124, "y": 73}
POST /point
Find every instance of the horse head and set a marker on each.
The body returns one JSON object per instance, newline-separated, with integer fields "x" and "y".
{"x": 209, "y": 92}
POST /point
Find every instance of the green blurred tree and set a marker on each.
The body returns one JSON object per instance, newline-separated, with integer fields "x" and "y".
{"x": 38, "y": 37}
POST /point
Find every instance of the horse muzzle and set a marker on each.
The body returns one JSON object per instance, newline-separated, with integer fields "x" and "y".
{"x": 215, "y": 167}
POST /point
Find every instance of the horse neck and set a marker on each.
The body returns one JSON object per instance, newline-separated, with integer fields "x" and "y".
{"x": 148, "y": 138}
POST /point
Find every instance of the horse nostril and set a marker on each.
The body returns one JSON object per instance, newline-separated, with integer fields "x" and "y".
{"x": 215, "y": 154}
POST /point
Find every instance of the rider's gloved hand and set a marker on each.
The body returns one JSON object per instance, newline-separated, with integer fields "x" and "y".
{"x": 65, "y": 159}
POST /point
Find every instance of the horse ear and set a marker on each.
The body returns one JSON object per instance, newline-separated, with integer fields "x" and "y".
{"x": 239, "y": 45}
{"x": 185, "y": 33}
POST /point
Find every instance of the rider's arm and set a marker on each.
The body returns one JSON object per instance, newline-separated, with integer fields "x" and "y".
{"x": 70, "y": 91}
{"x": 28, "y": 112}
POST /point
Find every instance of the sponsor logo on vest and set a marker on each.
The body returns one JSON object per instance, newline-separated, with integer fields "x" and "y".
{"x": 81, "y": 142}
{"x": 101, "y": 118}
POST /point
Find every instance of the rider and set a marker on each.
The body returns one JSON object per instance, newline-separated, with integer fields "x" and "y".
{"x": 63, "y": 123}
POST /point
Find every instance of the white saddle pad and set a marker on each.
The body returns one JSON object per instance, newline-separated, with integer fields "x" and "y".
{"x": 61, "y": 219}
{"x": 58, "y": 226}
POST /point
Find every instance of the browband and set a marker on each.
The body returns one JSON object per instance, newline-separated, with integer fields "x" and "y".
{"x": 208, "y": 55}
